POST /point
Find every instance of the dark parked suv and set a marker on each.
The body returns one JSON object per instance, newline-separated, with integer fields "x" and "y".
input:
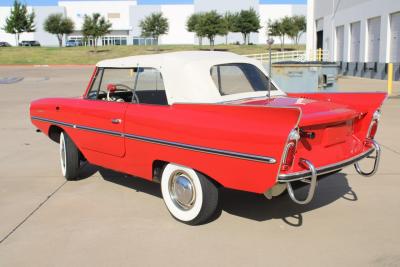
{"x": 4, "y": 44}
{"x": 29, "y": 43}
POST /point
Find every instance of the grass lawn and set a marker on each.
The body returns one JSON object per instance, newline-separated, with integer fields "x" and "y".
{"x": 86, "y": 55}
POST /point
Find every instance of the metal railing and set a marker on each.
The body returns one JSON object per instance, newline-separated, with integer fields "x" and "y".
{"x": 296, "y": 55}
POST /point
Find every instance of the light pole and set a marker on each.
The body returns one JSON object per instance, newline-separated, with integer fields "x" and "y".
{"x": 270, "y": 42}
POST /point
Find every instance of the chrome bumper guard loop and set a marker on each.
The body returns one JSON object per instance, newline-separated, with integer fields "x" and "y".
{"x": 298, "y": 176}
{"x": 376, "y": 162}
{"x": 312, "y": 182}
{"x": 312, "y": 177}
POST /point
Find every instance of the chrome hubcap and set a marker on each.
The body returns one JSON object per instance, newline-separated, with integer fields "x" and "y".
{"x": 182, "y": 191}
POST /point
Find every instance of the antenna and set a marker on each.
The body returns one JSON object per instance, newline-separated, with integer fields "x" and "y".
{"x": 270, "y": 42}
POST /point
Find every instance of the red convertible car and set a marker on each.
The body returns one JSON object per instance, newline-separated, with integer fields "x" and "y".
{"x": 197, "y": 121}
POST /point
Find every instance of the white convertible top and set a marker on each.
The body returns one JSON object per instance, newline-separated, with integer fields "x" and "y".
{"x": 186, "y": 74}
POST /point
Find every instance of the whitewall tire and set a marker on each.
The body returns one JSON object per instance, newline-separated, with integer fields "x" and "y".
{"x": 69, "y": 157}
{"x": 189, "y": 196}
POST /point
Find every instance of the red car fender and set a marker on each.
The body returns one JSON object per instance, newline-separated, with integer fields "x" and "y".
{"x": 257, "y": 131}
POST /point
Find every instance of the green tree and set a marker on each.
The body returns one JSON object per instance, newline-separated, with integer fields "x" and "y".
{"x": 280, "y": 28}
{"x": 19, "y": 21}
{"x": 59, "y": 25}
{"x": 192, "y": 23}
{"x": 94, "y": 27}
{"x": 230, "y": 19}
{"x": 154, "y": 26}
{"x": 247, "y": 22}
{"x": 287, "y": 28}
{"x": 210, "y": 25}
{"x": 299, "y": 26}
{"x": 275, "y": 30}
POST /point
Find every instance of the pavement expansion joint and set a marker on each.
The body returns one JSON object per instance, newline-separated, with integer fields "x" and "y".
{"x": 32, "y": 212}
{"x": 391, "y": 149}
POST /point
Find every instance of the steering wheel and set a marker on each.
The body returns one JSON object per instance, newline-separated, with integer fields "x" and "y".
{"x": 124, "y": 88}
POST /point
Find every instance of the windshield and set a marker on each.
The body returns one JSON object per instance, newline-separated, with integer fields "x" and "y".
{"x": 235, "y": 78}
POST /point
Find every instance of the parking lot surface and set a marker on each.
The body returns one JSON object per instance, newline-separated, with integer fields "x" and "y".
{"x": 110, "y": 219}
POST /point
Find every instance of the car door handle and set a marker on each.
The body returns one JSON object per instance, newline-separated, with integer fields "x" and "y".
{"x": 116, "y": 121}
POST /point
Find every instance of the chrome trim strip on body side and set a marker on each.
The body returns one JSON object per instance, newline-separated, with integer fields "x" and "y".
{"x": 203, "y": 149}
{"x": 53, "y": 121}
{"x": 90, "y": 129}
{"x": 207, "y": 150}
{"x": 290, "y": 177}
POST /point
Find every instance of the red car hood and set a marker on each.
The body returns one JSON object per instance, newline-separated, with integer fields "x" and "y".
{"x": 313, "y": 111}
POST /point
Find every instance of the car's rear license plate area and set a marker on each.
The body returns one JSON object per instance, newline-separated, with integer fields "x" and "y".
{"x": 337, "y": 134}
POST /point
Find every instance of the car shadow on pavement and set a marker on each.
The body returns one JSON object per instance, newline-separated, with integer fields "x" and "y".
{"x": 250, "y": 205}
{"x": 137, "y": 184}
{"x": 257, "y": 207}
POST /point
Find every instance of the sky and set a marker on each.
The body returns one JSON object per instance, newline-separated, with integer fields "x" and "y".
{"x": 143, "y": 2}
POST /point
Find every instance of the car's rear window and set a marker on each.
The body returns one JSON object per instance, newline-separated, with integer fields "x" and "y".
{"x": 235, "y": 78}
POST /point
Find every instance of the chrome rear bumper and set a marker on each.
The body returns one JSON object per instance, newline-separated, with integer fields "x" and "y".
{"x": 313, "y": 172}
{"x": 296, "y": 176}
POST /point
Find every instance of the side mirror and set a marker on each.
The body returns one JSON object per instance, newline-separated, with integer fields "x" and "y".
{"x": 111, "y": 87}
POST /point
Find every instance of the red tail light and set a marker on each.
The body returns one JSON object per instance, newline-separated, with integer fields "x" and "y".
{"x": 288, "y": 159}
{"x": 372, "y": 129}
{"x": 290, "y": 150}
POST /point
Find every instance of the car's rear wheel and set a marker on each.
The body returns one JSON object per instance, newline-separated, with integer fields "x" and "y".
{"x": 189, "y": 196}
{"x": 69, "y": 157}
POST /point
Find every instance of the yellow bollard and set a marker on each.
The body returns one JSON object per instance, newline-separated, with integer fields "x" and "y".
{"x": 390, "y": 78}
{"x": 319, "y": 54}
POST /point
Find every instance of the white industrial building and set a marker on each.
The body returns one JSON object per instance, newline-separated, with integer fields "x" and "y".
{"x": 125, "y": 17}
{"x": 362, "y": 35}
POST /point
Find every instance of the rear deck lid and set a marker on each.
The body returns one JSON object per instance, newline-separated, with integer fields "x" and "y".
{"x": 314, "y": 112}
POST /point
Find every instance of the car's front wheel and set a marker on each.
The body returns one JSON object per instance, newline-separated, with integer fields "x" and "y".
{"x": 69, "y": 157}
{"x": 189, "y": 196}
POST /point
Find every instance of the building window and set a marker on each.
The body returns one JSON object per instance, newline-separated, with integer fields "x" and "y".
{"x": 81, "y": 40}
{"x": 106, "y": 40}
{"x": 144, "y": 41}
{"x": 113, "y": 40}
{"x": 75, "y": 38}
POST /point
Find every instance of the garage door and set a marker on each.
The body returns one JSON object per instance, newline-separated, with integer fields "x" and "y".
{"x": 355, "y": 42}
{"x": 374, "y": 32}
{"x": 339, "y": 43}
{"x": 395, "y": 37}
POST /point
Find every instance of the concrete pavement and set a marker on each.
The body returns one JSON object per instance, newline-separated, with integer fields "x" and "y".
{"x": 109, "y": 219}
